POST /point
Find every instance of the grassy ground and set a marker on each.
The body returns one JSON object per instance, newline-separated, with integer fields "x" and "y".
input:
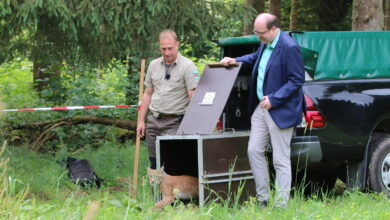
{"x": 35, "y": 186}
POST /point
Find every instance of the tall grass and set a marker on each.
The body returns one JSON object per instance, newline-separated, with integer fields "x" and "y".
{"x": 52, "y": 196}
{"x": 10, "y": 200}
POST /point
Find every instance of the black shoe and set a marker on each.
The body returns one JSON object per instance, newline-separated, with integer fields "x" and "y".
{"x": 262, "y": 204}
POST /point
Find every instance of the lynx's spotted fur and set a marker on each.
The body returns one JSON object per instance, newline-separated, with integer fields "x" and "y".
{"x": 171, "y": 187}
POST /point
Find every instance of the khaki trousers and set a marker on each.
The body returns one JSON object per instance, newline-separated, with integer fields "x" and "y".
{"x": 159, "y": 127}
{"x": 264, "y": 129}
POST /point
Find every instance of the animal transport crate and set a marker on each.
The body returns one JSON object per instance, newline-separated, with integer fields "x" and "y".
{"x": 218, "y": 158}
{"x": 220, "y": 162}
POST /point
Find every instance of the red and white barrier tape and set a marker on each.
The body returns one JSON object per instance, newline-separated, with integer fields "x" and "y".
{"x": 67, "y": 108}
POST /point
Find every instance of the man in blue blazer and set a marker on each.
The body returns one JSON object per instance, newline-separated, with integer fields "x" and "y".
{"x": 276, "y": 105}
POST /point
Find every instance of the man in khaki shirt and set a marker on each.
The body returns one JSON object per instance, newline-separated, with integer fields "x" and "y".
{"x": 170, "y": 83}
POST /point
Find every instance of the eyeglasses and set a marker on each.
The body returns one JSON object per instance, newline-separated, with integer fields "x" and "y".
{"x": 260, "y": 33}
{"x": 167, "y": 76}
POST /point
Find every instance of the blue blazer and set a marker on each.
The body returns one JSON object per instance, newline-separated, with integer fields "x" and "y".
{"x": 283, "y": 79}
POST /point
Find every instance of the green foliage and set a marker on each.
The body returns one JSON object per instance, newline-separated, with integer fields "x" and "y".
{"x": 99, "y": 30}
{"x": 200, "y": 62}
{"x": 55, "y": 33}
{"x": 319, "y": 15}
{"x": 84, "y": 85}
{"x": 16, "y": 84}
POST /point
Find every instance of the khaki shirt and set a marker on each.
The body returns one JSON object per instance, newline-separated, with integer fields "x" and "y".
{"x": 171, "y": 96}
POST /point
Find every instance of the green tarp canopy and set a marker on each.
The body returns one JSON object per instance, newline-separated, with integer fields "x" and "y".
{"x": 341, "y": 55}
{"x": 349, "y": 54}
{"x": 231, "y": 41}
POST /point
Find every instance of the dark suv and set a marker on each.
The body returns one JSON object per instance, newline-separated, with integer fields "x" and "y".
{"x": 345, "y": 133}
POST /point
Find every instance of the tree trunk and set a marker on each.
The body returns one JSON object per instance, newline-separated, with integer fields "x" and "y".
{"x": 47, "y": 60}
{"x": 258, "y": 5}
{"x": 293, "y": 15}
{"x": 275, "y": 8}
{"x": 386, "y": 6}
{"x": 367, "y": 15}
{"x": 48, "y": 76}
{"x": 39, "y": 79}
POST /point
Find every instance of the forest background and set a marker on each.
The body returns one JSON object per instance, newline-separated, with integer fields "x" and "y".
{"x": 88, "y": 52}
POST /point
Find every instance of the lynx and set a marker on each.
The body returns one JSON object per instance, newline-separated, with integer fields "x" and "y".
{"x": 171, "y": 187}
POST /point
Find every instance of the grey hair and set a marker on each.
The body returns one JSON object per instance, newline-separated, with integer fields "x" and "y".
{"x": 168, "y": 33}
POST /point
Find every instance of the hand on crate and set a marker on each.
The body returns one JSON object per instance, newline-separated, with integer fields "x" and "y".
{"x": 225, "y": 62}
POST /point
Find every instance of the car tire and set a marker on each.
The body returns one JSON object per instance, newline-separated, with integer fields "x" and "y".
{"x": 379, "y": 164}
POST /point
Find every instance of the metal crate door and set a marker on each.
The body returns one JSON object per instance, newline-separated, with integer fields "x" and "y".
{"x": 224, "y": 170}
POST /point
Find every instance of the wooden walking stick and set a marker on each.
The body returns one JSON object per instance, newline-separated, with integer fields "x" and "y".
{"x": 137, "y": 140}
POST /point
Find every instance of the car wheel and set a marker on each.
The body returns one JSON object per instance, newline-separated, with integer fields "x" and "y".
{"x": 379, "y": 165}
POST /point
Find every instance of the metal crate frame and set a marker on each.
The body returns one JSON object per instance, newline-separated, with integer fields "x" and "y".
{"x": 208, "y": 180}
